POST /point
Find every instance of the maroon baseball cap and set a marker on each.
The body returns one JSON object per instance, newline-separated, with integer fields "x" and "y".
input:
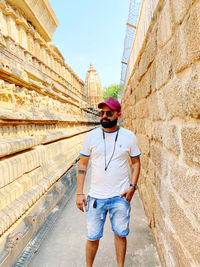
{"x": 112, "y": 103}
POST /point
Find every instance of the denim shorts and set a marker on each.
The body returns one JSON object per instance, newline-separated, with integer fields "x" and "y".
{"x": 119, "y": 214}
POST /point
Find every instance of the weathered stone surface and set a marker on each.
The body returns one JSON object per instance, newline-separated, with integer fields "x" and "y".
{"x": 157, "y": 108}
{"x": 180, "y": 256}
{"x": 165, "y": 25}
{"x": 180, "y": 176}
{"x": 168, "y": 81}
{"x": 140, "y": 126}
{"x": 190, "y": 91}
{"x": 173, "y": 99}
{"x": 191, "y": 144}
{"x": 158, "y": 129}
{"x": 145, "y": 163}
{"x": 149, "y": 53}
{"x": 144, "y": 87}
{"x": 164, "y": 66}
{"x": 143, "y": 143}
{"x": 187, "y": 231}
{"x": 171, "y": 138}
{"x": 180, "y": 9}
{"x": 141, "y": 109}
{"x": 153, "y": 107}
{"x": 187, "y": 39}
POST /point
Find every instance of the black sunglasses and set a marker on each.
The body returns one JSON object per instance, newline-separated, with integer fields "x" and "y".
{"x": 109, "y": 113}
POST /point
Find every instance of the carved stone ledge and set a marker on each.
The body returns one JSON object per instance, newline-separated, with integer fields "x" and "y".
{"x": 36, "y": 220}
{"x": 2, "y": 40}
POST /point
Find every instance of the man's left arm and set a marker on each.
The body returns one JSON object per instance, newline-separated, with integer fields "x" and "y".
{"x": 128, "y": 193}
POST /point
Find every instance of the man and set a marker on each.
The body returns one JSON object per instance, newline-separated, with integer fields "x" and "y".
{"x": 110, "y": 148}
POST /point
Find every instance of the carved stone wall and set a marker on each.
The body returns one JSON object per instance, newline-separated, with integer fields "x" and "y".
{"x": 161, "y": 104}
{"x": 44, "y": 117}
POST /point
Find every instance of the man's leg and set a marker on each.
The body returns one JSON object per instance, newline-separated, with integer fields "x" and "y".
{"x": 119, "y": 213}
{"x": 120, "y": 247}
{"x": 91, "y": 250}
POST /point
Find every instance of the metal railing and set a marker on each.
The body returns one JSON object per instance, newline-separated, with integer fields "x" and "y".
{"x": 140, "y": 13}
{"x": 134, "y": 9}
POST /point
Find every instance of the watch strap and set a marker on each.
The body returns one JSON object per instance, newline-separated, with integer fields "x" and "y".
{"x": 134, "y": 186}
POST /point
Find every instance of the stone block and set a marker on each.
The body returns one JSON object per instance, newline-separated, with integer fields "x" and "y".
{"x": 149, "y": 53}
{"x": 145, "y": 164}
{"x": 158, "y": 129}
{"x": 186, "y": 40}
{"x": 186, "y": 230}
{"x": 140, "y": 126}
{"x": 142, "y": 109}
{"x": 160, "y": 158}
{"x": 164, "y": 65}
{"x": 159, "y": 215}
{"x": 185, "y": 181}
{"x": 156, "y": 215}
{"x": 180, "y": 256}
{"x": 165, "y": 25}
{"x": 151, "y": 172}
{"x": 135, "y": 78}
{"x": 152, "y": 80}
{"x": 157, "y": 107}
{"x": 160, "y": 245}
{"x": 189, "y": 80}
{"x": 191, "y": 144}
{"x": 133, "y": 126}
{"x": 144, "y": 195}
{"x": 180, "y": 9}
{"x": 171, "y": 138}
{"x": 133, "y": 112}
{"x": 173, "y": 99}
{"x": 132, "y": 98}
{"x": 143, "y": 143}
{"x": 143, "y": 89}
{"x": 153, "y": 109}
{"x": 162, "y": 107}
{"x": 148, "y": 128}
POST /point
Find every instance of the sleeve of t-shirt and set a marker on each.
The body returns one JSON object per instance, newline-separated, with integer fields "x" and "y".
{"x": 85, "y": 151}
{"x": 134, "y": 150}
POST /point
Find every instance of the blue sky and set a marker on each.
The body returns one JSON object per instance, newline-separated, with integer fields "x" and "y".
{"x": 92, "y": 31}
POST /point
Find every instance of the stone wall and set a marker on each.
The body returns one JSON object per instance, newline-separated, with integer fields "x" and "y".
{"x": 44, "y": 117}
{"x": 161, "y": 104}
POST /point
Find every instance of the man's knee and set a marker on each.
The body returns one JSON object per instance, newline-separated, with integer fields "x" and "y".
{"x": 119, "y": 237}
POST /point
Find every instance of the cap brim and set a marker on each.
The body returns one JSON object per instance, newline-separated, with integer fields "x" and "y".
{"x": 100, "y": 105}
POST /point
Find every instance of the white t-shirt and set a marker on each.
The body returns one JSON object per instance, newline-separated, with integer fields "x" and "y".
{"x": 110, "y": 183}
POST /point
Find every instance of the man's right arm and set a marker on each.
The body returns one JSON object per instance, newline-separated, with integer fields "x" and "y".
{"x": 82, "y": 168}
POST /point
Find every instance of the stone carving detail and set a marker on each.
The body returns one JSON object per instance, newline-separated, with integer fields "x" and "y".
{"x": 22, "y": 35}
{"x": 27, "y": 99}
{"x": 93, "y": 87}
{"x": 12, "y": 240}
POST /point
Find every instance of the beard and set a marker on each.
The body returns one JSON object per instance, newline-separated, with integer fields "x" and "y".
{"x": 107, "y": 123}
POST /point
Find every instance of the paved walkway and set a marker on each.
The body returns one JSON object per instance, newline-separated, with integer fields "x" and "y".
{"x": 64, "y": 245}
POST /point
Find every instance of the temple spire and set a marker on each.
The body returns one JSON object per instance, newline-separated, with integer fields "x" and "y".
{"x": 93, "y": 87}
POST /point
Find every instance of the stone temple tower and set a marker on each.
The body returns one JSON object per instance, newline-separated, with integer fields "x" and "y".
{"x": 93, "y": 87}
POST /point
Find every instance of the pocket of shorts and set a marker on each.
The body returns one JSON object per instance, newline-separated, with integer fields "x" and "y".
{"x": 125, "y": 200}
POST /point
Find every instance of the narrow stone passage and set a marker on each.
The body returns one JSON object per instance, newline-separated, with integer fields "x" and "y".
{"x": 65, "y": 243}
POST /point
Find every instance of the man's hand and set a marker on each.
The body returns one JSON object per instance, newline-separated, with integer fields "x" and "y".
{"x": 128, "y": 193}
{"x": 80, "y": 201}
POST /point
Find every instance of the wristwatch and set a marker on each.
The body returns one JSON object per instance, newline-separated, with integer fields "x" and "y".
{"x": 134, "y": 186}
